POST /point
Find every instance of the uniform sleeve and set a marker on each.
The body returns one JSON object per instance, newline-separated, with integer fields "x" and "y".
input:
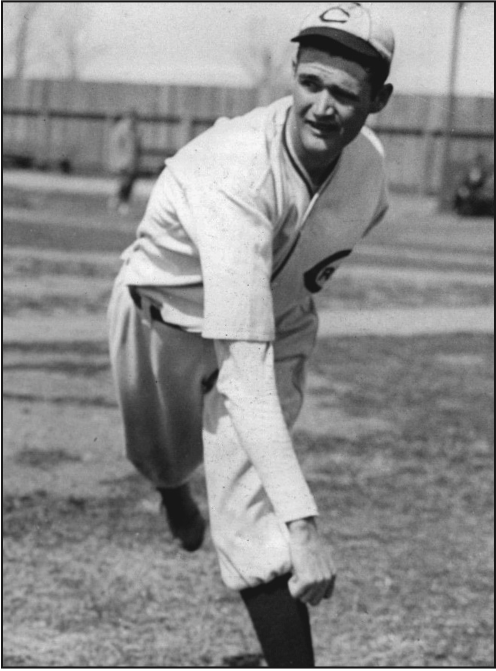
{"x": 234, "y": 239}
{"x": 377, "y": 220}
{"x": 247, "y": 381}
{"x": 381, "y": 210}
{"x": 382, "y": 205}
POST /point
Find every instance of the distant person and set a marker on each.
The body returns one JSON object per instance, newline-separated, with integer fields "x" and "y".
{"x": 475, "y": 193}
{"x": 212, "y": 317}
{"x": 124, "y": 156}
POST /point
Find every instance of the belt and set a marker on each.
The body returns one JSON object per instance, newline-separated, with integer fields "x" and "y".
{"x": 155, "y": 315}
{"x": 207, "y": 383}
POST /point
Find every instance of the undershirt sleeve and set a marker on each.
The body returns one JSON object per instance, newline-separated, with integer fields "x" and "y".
{"x": 247, "y": 381}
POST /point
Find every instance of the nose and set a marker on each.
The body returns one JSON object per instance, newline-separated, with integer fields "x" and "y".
{"x": 323, "y": 105}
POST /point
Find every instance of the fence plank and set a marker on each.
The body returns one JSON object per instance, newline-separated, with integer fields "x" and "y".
{"x": 52, "y": 119}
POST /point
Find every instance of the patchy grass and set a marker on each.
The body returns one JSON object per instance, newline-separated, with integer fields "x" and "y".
{"x": 91, "y": 575}
{"x": 409, "y": 512}
{"x": 82, "y": 205}
{"x": 45, "y": 459}
{"x": 354, "y": 292}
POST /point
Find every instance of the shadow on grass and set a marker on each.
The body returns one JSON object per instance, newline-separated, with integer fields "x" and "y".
{"x": 411, "y": 517}
{"x": 58, "y": 347}
{"x": 85, "y": 369}
{"x": 96, "y": 401}
{"x": 45, "y": 459}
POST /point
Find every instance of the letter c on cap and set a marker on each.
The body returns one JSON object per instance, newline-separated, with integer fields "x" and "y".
{"x": 341, "y": 13}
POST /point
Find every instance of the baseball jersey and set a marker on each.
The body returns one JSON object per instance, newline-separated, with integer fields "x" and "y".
{"x": 124, "y": 146}
{"x": 235, "y": 233}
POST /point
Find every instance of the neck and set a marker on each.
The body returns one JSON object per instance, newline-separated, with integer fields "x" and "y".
{"x": 317, "y": 167}
{"x": 319, "y": 175}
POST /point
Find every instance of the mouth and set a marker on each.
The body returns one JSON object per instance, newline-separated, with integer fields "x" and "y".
{"x": 323, "y": 129}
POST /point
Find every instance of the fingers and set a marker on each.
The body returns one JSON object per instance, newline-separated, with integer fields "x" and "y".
{"x": 330, "y": 587}
{"x": 323, "y": 591}
{"x": 311, "y": 594}
{"x": 305, "y": 591}
{"x": 313, "y": 566}
{"x": 315, "y": 598}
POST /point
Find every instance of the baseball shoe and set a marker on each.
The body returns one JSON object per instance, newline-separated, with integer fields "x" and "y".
{"x": 184, "y": 518}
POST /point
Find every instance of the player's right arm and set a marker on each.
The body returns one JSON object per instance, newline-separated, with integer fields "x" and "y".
{"x": 247, "y": 381}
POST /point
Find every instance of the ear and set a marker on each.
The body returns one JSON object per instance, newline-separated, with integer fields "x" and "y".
{"x": 381, "y": 99}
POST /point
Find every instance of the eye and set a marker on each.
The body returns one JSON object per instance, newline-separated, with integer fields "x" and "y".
{"x": 346, "y": 97}
{"x": 312, "y": 85}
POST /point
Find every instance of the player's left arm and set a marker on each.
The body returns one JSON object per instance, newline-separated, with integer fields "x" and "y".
{"x": 247, "y": 382}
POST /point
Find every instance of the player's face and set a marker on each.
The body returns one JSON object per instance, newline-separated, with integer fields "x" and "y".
{"x": 332, "y": 99}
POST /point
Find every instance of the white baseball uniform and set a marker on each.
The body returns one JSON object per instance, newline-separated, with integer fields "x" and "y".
{"x": 234, "y": 242}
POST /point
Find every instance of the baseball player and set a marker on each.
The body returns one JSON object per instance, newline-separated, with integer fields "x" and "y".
{"x": 124, "y": 154}
{"x": 212, "y": 318}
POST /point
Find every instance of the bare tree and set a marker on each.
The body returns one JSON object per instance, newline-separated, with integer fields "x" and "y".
{"x": 17, "y": 29}
{"x": 265, "y": 61}
{"x": 68, "y": 46}
{"x": 48, "y": 39}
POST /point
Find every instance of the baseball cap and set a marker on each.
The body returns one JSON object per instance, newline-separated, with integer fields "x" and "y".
{"x": 355, "y": 26}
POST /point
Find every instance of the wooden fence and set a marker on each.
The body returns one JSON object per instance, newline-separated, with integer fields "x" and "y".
{"x": 56, "y": 123}
{"x": 412, "y": 129}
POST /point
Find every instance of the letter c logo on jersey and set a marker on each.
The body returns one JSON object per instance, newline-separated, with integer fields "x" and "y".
{"x": 316, "y": 277}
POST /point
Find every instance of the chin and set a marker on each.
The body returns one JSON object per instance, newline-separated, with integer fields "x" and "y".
{"x": 321, "y": 150}
{"x": 320, "y": 147}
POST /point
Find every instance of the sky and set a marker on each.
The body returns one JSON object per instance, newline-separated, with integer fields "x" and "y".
{"x": 208, "y": 42}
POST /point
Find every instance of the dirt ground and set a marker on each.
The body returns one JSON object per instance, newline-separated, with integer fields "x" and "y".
{"x": 396, "y": 439}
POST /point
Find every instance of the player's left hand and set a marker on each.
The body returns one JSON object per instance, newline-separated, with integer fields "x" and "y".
{"x": 314, "y": 572}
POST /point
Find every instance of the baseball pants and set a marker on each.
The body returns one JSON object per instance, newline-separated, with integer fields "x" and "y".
{"x": 127, "y": 178}
{"x": 175, "y": 419}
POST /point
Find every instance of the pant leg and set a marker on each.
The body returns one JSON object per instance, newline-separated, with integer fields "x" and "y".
{"x": 158, "y": 373}
{"x": 295, "y": 342}
{"x": 126, "y": 183}
{"x": 251, "y": 542}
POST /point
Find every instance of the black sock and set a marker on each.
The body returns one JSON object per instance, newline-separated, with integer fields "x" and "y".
{"x": 178, "y": 502}
{"x": 282, "y": 624}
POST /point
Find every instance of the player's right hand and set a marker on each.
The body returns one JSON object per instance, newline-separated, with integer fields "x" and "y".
{"x": 314, "y": 572}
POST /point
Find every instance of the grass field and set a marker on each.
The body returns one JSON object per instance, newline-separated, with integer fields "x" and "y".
{"x": 396, "y": 440}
